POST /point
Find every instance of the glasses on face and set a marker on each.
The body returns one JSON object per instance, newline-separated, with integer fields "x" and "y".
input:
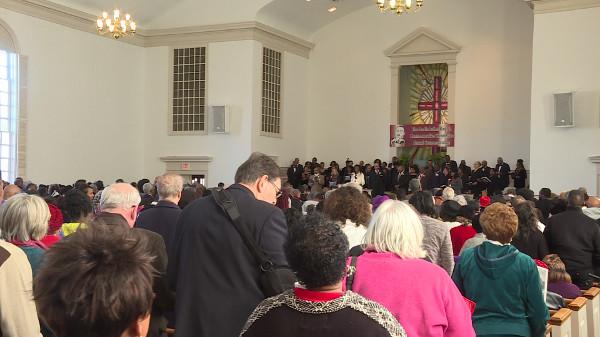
{"x": 277, "y": 189}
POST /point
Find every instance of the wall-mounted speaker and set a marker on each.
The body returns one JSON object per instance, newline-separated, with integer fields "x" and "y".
{"x": 563, "y": 110}
{"x": 219, "y": 117}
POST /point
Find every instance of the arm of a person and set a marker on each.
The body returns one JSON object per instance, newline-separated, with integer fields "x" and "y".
{"x": 458, "y": 279}
{"x": 272, "y": 236}
{"x": 457, "y": 313}
{"x": 542, "y": 247}
{"x": 536, "y": 310}
{"x": 446, "y": 253}
{"x": 165, "y": 298}
{"x": 18, "y": 316}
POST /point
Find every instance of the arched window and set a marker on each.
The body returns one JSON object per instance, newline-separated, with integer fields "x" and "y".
{"x": 12, "y": 123}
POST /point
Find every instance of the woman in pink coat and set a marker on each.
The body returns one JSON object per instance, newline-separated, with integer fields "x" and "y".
{"x": 392, "y": 272}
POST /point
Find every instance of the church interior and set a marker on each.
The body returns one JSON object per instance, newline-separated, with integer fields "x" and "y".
{"x": 98, "y": 108}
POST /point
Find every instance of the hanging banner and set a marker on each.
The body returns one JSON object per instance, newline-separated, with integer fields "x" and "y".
{"x": 419, "y": 135}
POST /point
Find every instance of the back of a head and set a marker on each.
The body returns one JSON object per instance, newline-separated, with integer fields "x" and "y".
{"x": 256, "y": 166}
{"x": 414, "y": 185}
{"x": 147, "y": 188}
{"x": 526, "y": 193}
{"x": 397, "y": 229}
{"x": 169, "y": 185}
{"x": 78, "y": 205}
{"x": 467, "y": 212}
{"x": 448, "y": 193}
{"x": 449, "y": 210}
{"x": 557, "y": 270}
{"x": 98, "y": 283}
{"x": 576, "y": 198}
{"x": 593, "y": 202}
{"x": 24, "y": 217}
{"x": 119, "y": 196}
{"x": 545, "y": 192}
{"x": 347, "y": 203}
{"x": 527, "y": 216}
{"x": 316, "y": 249}
{"x": 499, "y": 222}
{"x": 517, "y": 200}
{"x": 140, "y": 184}
{"x": 422, "y": 201}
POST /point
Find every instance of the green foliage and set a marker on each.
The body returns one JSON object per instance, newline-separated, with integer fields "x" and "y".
{"x": 438, "y": 158}
{"x": 404, "y": 159}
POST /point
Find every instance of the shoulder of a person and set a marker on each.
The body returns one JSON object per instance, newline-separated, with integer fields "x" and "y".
{"x": 152, "y": 237}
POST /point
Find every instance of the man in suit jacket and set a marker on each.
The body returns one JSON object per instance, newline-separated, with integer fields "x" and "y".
{"x": 294, "y": 173}
{"x": 503, "y": 171}
{"x": 575, "y": 237}
{"x": 118, "y": 207}
{"x": 377, "y": 180}
{"x": 214, "y": 274}
{"x": 400, "y": 178}
{"x": 451, "y": 163}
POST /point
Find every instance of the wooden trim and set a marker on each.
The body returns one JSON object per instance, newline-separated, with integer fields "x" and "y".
{"x": 577, "y": 304}
{"x": 72, "y": 18}
{"x": 560, "y": 317}
{"x": 553, "y": 6}
{"x": 591, "y": 293}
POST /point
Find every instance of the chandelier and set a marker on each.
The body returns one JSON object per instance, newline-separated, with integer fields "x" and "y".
{"x": 398, "y": 6}
{"x": 116, "y": 26}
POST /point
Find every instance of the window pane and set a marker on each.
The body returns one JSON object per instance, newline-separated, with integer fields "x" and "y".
{"x": 4, "y": 125}
{"x": 3, "y": 72}
{"x": 4, "y": 98}
{"x": 3, "y": 58}
{"x": 4, "y": 85}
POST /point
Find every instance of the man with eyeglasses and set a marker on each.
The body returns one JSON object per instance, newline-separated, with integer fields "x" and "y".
{"x": 213, "y": 272}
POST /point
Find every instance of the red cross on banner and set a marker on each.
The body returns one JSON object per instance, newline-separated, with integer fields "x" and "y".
{"x": 437, "y": 105}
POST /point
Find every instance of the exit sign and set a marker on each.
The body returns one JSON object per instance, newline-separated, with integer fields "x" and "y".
{"x": 185, "y": 166}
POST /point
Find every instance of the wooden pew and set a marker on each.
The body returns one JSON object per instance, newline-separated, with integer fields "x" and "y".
{"x": 561, "y": 323}
{"x": 593, "y": 311}
{"x": 579, "y": 319}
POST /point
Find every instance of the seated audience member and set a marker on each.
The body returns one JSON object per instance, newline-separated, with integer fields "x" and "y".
{"x": 392, "y": 272}
{"x": 292, "y": 216}
{"x": 484, "y": 201}
{"x": 10, "y": 191}
{"x": 477, "y": 239}
{"x": 96, "y": 283}
{"x": 311, "y": 200}
{"x": 527, "y": 194}
{"x": 575, "y": 237}
{"x": 529, "y": 240}
{"x": 448, "y": 193}
{"x": 559, "y": 281}
{"x": 455, "y": 182}
{"x": 351, "y": 210}
{"x": 24, "y": 222}
{"x": 18, "y": 317}
{"x": 379, "y": 200}
{"x": 295, "y": 201}
{"x": 593, "y": 208}
{"x": 504, "y": 283}
{"x": 448, "y": 213}
{"x": 78, "y": 211}
{"x": 319, "y": 307}
{"x": 436, "y": 239}
{"x": 465, "y": 231}
{"x": 54, "y": 225}
{"x": 357, "y": 176}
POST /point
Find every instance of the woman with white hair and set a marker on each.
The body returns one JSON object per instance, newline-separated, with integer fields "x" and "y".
{"x": 24, "y": 222}
{"x": 392, "y": 271}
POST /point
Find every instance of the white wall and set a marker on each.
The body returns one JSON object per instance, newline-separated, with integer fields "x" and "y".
{"x": 349, "y": 79}
{"x": 230, "y": 81}
{"x": 294, "y": 112}
{"x": 84, "y": 103}
{"x": 565, "y": 58}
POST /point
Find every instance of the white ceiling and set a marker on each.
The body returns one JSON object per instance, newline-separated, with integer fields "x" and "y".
{"x": 298, "y": 17}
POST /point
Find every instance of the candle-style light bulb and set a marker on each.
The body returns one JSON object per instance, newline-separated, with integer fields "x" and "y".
{"x": 104, "y": 15}
{"x": 99, "y": 23}
{"x": 116, "y": 14}
{"x": 127, "y": 17}
{"x": 132, "y": 26}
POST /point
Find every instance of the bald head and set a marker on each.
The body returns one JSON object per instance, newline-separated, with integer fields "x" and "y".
{"x": 11, "y": 190}
{"x": 593, "y": 202}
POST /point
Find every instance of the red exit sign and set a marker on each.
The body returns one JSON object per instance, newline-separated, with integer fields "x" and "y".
{"x": 185, "y": 166}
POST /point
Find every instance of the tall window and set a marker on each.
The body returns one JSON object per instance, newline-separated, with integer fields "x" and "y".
{"x": 188, "y": 111}
{"x": 9, "y": 100}
{"x": 271, "y": 93}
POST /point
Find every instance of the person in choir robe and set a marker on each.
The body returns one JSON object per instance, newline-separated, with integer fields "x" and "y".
{"x": 476, "y": 183}
{"x": 485, "y": 168}
{"x": 452, "y": 163}
{"x": 519, "y": 175}
{"x": 456, "y": 182}
{"x": 503, "y": 282}
{"x": 377, "y": 179}
{"x": 494, "y": 184}
{"x": 357, "y": 177}
{"x": 466, "y": 170}
{"x": 294, "y": 173}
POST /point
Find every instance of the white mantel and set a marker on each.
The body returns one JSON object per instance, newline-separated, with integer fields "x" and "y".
{"x": 596, "y": 160}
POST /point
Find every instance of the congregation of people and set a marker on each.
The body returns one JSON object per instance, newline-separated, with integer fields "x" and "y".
{"x": 388, "y": 249}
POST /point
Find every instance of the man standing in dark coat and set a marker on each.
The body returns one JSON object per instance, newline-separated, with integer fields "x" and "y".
{"x": 502, "y": 170}
{"x": 377, "y": 180}
{"x": 294, "y": 173}
{"x": 575, "y": 237}
{"x": 214, "y": 274}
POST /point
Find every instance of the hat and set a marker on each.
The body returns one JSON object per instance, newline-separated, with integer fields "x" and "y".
{"x": 56, "y": 219}
{"x": 484, "y": 201}
{"x": 379, "y": 200}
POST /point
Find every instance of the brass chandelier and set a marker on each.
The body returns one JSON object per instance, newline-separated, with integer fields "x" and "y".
{"x": 399, "y": 6}
{"x": 117, "y": 26}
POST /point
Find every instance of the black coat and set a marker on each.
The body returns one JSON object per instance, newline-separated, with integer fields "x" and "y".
{"x": 575, "y": 237}
{"x": 503, "y": 172}
{"x": 294, "y": 175}
{"x": 165, "y": 299}
{"x": 160, "y": 219}
{"x": 214, "y": 274}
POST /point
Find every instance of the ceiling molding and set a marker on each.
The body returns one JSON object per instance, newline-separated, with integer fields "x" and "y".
{"x": 72, "y": 18}
{"x": 552, "y": 6}
{"x": 422, "y": 46}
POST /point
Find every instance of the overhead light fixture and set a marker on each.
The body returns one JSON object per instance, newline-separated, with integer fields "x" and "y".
{"x": 117, "y": 26}
{"x": 398, "y": 6}
{"x": 332, "y": 9}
